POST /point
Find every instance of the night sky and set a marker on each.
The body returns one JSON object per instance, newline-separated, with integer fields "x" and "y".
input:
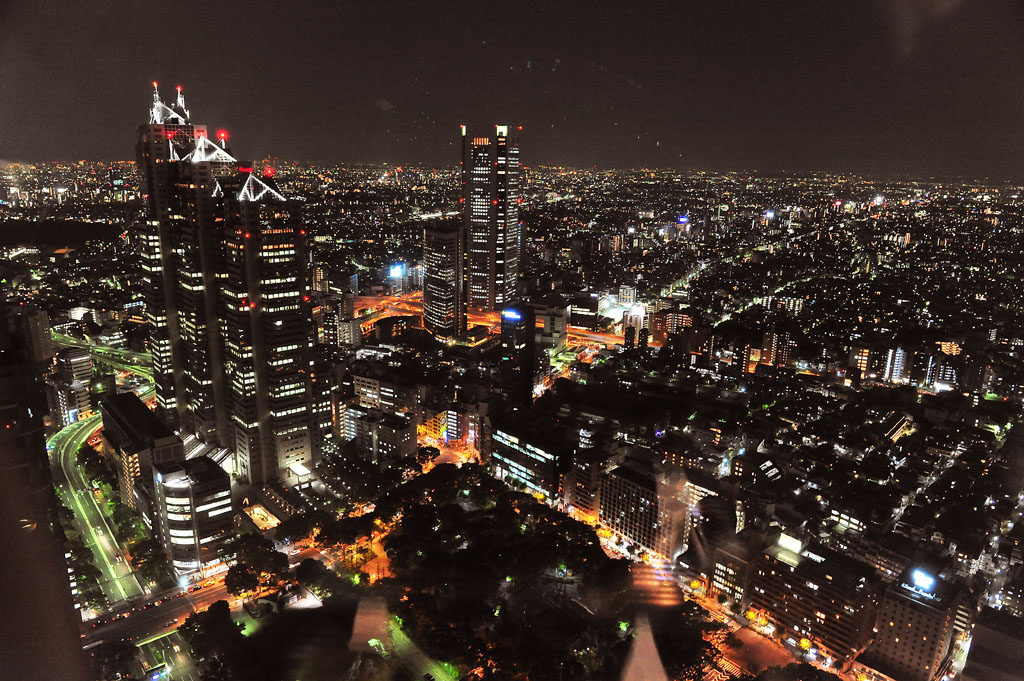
{"x": 925, "y": 87}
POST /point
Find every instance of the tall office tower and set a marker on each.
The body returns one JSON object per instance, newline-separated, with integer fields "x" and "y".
{"x": 226, "y": 269}
{"x": 39, "y": 636}
{"x": 160, "y": 143}
{"x": 444, "y": 292}
{"x": 518, "y": 353}
{"x": 494, "y": 237}
{"x": 267, "y": 328}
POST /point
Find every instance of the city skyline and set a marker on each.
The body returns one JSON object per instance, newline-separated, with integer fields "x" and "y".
{"x": 513, "y": 386}
{"x": 870, "y": 88}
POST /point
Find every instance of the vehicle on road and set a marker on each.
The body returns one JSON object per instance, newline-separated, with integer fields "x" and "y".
{"x": 170, "y": 623}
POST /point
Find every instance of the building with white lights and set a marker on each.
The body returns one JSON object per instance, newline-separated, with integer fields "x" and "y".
{"x": 494, "y": 236}
{"x": 916, "y": 627}
{"x": 225, "y": 269}
{"x": 193, "y": 514}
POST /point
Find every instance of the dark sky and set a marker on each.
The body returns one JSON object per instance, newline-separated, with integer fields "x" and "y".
{"x": 928, "y": 87}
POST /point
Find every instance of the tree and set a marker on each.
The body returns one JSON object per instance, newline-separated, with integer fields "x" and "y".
{"x": 149, "y": 559}
{"x": 241, "y": 578}
{"x": 257, "y": 553}
{"x": 213, "y": 638}
{"x": 113, "y": 659}
{"x": 425, "y": 455}
{"x": 295, "y": 528}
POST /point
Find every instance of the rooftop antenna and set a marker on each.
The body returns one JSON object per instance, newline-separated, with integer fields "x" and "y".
{"x": 180, "y": 103}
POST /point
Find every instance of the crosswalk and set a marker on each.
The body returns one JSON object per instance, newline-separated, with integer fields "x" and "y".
{"x": 725, "y": 671}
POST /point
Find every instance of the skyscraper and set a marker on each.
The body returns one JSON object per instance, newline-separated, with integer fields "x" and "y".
{"x": 444, "y": 292}
{"x": 225, "y": 268}
{"x": 159, "y": 144}
{"x": 490, "y": 197}
{"x": 518, "y": 362}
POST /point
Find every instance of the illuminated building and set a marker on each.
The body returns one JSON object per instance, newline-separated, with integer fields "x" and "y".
{"x": 384, "y": 438}
{"x": 776, "y": 348}
{"x": 160, "y": 143}
{"x": 638, "y": 506}
{"x": 137, "y": 439}
{"x": 266, "y": 330}
{"x": 193, "y": 513}
{"x": 916, "y": 627}
{"x": 518, "y": 362}
{"x": 225, "y": 269}
{"x": 817, "y": 599}
{"x": 444, "y": 292}
{"x": 67, "y": 390}
{"x": 635, "y": 317}
{"x": 490, "y": 196}
{"x": 529, "y": 452}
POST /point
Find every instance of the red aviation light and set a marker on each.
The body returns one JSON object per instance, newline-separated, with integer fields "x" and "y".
{"x": 247, "y": 235}
{"x": 269, "y": 171}
{"x": 252, "y": 306}
{"x": 154, "y": 84}
{"x": 222, "y": 134}
{"x": 169, "y": 134}
{"x": 305, "y": 298}
{"x": 462, "y": 200}
{"x": 302, "y": 232}
{"x": 179, "y": 88}
{"x": 519, "y": 127}
{"x": 495, "y": 202}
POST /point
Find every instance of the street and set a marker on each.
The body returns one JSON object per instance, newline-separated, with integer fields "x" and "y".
{"x": 119, "y": 583}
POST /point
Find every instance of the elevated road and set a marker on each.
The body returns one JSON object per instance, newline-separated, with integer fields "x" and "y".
{"x": 139, "y": 363}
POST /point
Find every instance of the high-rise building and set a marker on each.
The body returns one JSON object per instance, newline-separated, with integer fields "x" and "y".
{"x": 494, "y": 236}
{"x": 67, "y": 389}
{"x": 444, "y": 291}
{"x": 225, "y": 264}
{"x": 193, "y": 516}
{"x": 160, "y": 145}
{"x": 818, "y": 600}
{"x": 916, "y": 626}
{"x": 518, "y": 363}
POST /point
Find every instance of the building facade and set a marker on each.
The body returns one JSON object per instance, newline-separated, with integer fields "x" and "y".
{"x": 494, "y": 236}
{"x": 225, "y": 271}
{"x": 193, "y": 513}
{"x": 444, "y": 290}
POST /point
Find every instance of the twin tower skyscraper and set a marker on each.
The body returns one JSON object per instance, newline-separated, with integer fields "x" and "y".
{"x": 225, "y": 273}
{"x": 474, "y": 264}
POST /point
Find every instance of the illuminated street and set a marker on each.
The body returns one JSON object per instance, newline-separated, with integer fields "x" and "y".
{"x": 119, "y": 582}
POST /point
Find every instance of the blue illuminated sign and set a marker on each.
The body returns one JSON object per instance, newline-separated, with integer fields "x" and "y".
{"x": 511, "y": 315}
{"x": 922, "y": 580}
{"x": 683, "y": 219}
{"x": 397, "y": 271}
